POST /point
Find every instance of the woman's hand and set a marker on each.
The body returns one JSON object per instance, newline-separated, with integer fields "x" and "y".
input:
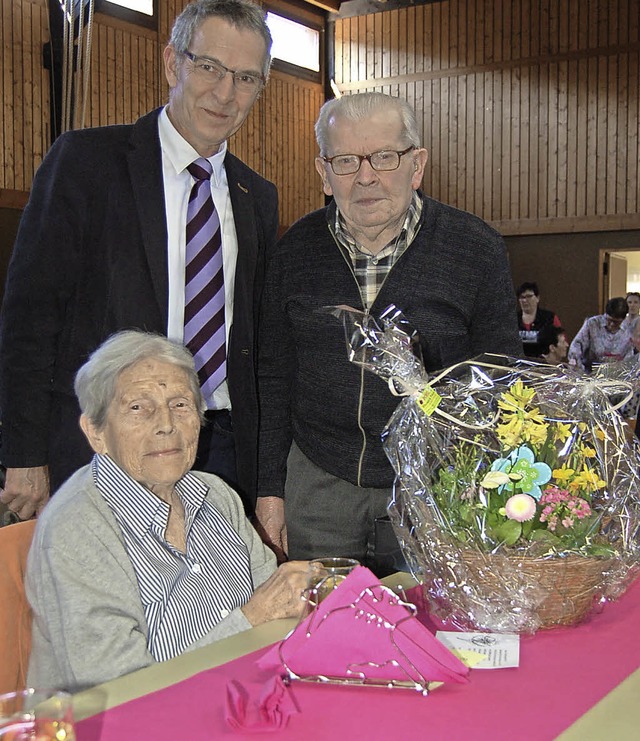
{"x": 280, "y": 596}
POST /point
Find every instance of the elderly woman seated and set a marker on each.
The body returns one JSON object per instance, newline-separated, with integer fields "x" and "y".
{"x": 136, "y": 558}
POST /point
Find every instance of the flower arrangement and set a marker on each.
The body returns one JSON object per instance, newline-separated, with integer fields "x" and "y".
{"x": 516, "y": 500}
{"x": 538, "y": 491}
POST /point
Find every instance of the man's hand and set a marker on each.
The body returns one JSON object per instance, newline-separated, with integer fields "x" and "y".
{"x": 280, "y": 596}
{"x": 26, "y": 490}
{"x": 271, "y": 526}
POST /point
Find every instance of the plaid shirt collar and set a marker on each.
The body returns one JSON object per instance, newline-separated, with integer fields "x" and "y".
{"x": 370, "y": 271}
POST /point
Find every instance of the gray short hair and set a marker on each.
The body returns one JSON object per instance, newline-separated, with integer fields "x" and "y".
{"x": 362, "y": 105}
{"x": 95, "y": 382}
{"x": 242, "y": 14}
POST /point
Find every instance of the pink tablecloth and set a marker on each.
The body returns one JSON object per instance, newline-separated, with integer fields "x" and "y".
{"x": 562, "y": 674}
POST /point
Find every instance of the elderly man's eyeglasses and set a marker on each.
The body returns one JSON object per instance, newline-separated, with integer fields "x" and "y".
{"x": 348, "y": 164}
{"x": 526, "y": 296}
{"x": 214, "y": 71}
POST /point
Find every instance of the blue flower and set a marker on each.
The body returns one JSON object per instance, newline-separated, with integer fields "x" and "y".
{"x": 521, "y": 463}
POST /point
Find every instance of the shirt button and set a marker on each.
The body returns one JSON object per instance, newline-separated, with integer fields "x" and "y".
{"x": 374, "y": 261}
{"x": 224, "y": 613}
{"x": 196, "y": 568}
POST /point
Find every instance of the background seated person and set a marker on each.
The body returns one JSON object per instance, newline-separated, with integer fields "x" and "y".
{"x": 532, "y": 319}
{"x": 601, "y": 338}
{"x": 633, "y": 314}
{"x": 137, "y": 559}
{"x": 553, "y": 345}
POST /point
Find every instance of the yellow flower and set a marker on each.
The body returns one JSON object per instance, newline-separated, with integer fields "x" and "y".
{"x": 534, "y": 415}
{"x": 517, "y": 397}
{"x": 509, "y": 432}
{"x": 587, "y": 479}
{"x": 562, "y": 431}
{"x": 563, "y": 474}
{"x": 600, "y": 434}
{"x": 587, "y": 452}
{"x": 535, "y": 433}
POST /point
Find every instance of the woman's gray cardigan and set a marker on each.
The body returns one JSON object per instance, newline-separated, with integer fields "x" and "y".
{"x": 88, "y": 624}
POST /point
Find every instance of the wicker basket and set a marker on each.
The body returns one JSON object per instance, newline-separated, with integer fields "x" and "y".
{"x": 572, "y": 584}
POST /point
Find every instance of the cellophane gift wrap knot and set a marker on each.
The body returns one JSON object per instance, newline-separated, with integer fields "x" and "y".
{"x": 516, "y": 494}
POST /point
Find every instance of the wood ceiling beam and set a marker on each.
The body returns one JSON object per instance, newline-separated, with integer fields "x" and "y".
{"x": 333, "y": 6}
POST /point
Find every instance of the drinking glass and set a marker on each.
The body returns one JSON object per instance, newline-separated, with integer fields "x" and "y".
{"x": 326, "y": 574}
{"x": 36, "y": 715}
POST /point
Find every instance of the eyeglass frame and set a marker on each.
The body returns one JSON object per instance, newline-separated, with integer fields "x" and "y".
{"x": 195, "y": 58}
{"x": 362, "y": 157}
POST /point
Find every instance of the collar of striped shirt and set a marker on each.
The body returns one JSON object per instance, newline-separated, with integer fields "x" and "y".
{"x": 134, "y": 504}
{"x": 371, "y": 270}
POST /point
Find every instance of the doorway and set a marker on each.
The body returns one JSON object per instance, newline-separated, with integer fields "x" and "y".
{"x": 619, "y": 273}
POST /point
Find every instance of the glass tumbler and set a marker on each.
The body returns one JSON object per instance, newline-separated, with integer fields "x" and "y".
{"x": 36, "y": 715}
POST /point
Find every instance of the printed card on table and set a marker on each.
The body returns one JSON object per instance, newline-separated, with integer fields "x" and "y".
{"x": 483, "y": 650}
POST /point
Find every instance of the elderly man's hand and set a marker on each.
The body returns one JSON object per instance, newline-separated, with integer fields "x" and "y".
{"x": 280, "y": 596}
{"x": 271, "y": 526}
{"x": 26, "y": 490}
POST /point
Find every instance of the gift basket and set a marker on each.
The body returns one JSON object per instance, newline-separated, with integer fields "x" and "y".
{"x": 516, "y": 494}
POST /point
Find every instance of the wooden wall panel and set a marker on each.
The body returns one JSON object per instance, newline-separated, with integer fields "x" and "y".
{"x": 529, "y": 109}
{"x": 24, "y": 93}
{"x": 126, "y": 81}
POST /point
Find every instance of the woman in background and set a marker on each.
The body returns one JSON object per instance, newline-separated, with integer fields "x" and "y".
{"x": 602, "y": 338}
{"x": 531, "y": 318}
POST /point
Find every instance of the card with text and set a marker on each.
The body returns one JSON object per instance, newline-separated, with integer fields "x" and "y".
{"x": 483, "y": 650}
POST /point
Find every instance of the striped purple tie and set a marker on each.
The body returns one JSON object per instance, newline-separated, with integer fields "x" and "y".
{"x": 204, "y": 330}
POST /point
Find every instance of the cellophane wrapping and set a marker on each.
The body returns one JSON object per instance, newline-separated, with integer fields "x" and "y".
{"x": 516, "y": 494}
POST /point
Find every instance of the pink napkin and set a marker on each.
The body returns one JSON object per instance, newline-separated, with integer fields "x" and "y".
{"x": 349, "y": 636}
{"x": 270, "y": 712}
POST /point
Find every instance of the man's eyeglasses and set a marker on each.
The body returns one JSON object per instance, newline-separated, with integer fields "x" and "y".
{"x": 526, "y": 295}
{"x": 348, "y": 164}
{"x": 214, "y": 71}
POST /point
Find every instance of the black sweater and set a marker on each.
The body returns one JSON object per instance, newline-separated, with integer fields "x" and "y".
{"x": 453, "y": 284}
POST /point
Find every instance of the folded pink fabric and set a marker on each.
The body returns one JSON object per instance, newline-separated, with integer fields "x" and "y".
{"x": 362, "y": 630}
{"x": 270, "y": 712}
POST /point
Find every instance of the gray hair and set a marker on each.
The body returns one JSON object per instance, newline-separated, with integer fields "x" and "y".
{"x": 242, "y": 14}
{"x": 95, "y": 382}
{"x": 363, "y": 105}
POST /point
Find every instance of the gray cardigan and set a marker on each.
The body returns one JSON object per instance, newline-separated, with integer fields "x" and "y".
{"x": 89, "y": 624}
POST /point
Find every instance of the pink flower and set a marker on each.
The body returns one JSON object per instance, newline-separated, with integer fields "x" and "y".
{"x": 560, "y": 506}
{"x": 520, "y": 507}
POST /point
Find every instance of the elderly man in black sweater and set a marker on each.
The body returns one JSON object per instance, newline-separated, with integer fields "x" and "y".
{"x": 323, "y": 477}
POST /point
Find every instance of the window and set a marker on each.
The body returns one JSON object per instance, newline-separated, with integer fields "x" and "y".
{"x": 140, "y": 12}
{"x": 294, "y": 42}
{"x": 140, "y": 6}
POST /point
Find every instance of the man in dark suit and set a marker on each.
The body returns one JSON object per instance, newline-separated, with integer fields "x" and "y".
{"x": 101, "y": 247}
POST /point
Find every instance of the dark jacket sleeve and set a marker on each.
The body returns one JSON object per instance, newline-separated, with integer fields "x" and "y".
{"x": 41, "y": 279}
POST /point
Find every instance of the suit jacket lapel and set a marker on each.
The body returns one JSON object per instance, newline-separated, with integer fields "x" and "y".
{"x": 243, "y": 215}
{"x": 145, "y": 171}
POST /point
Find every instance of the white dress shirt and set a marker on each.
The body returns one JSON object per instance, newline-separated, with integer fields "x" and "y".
{"x": 177, "y": 155}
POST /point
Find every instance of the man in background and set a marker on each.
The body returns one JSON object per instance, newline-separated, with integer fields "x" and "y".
{"x": 553, "y": 345}
{"x": 323, "y": 477}
{"x": 104, "y": 244}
